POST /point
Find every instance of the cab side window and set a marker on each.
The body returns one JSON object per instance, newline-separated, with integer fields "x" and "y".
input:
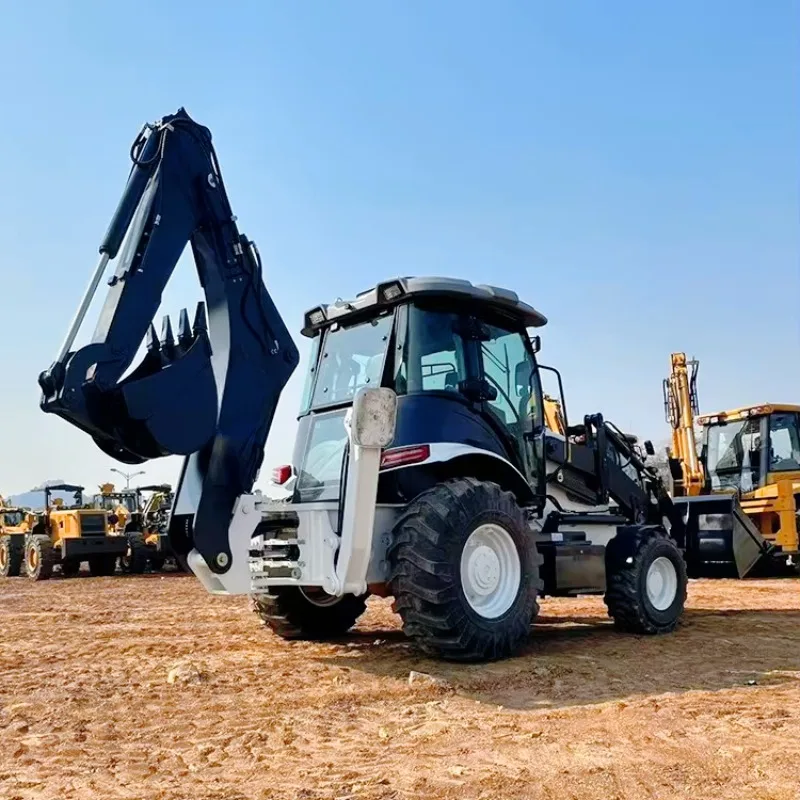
{"x": 784, "y": 442}
{"x": 433, "y": 355}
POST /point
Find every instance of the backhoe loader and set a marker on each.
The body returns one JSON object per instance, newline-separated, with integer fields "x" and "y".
{"x": 64, "y": 536}
{"x": 737, "y": 480}
{"x": 423, "y": 467}
{"x": 15, "y": 523}
{"x": 151, "y": 521}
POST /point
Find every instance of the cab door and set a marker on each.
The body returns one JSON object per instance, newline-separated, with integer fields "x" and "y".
{"x": 508, "y": 367}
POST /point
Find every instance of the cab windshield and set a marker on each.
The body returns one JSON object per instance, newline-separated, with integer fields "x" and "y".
{"x": 109, "y": 502}
{"x": 13, "y": 519}
{"x": 733, "y": 455}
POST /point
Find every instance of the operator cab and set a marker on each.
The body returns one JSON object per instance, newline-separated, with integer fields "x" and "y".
{"x": 462, "y": 363}
{"x": 746, "y": 448}
{"x": 112, "y": 501}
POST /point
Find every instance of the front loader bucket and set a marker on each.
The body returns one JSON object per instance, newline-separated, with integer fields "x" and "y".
{"x": 720, "y": 538}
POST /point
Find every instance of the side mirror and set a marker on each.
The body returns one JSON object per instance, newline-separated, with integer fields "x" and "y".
{"x": 536, "y": 343}
{"x": 648, "y": 448}
{"x": 373, "y": 417}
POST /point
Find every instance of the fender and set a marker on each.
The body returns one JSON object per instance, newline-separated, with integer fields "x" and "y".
{"x": 464, "y": 459}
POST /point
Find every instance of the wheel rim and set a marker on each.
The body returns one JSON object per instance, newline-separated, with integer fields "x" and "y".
{"x": 661, "y": 583}
{"x": 33, "y": 559}
{"x": 319, "y": 597}
{"x": 490, "y": 570}
{"x": 3, "y": 555}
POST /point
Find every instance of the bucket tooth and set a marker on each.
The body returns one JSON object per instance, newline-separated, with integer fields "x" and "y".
{"x": 184, "y": 329}
{"x": 151, "y": 340}
{"x": 167, "y": 337}
{"x": 200, "y": 321}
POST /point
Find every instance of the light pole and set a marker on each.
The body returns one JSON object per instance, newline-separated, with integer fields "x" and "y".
{"x": 127, "y": 475}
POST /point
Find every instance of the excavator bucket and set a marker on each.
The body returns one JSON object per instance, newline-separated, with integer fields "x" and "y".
{"x": 207, "y": 389}
{"x": 720, "y": 537}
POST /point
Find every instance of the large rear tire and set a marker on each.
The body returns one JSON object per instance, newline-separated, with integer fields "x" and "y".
{"x": 40, "y": 557}
{"x": 12, "y": 554}
{"x": 134, "y": 562}
{"x": 465, "y": 571}
{"x": 295, "y": 613}
{"x": 646, "y": 581}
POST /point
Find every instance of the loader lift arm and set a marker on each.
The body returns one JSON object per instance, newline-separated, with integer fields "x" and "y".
{"x": 208, "y": 394}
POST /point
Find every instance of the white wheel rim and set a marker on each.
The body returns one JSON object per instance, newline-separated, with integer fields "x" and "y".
{"x": 661, "y": 583}
{"x": 491, "y": 571}
{"x": 319, "y": 597}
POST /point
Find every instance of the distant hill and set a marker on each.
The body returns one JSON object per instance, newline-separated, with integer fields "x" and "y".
{"x": 34, "y": 498}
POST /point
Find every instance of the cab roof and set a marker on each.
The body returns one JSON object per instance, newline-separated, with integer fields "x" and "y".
{"x": 391, "y": 292}
{"x": 746, "y": 411}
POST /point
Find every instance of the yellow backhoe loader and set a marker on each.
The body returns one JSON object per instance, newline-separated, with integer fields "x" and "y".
{"x": 154, "y": 523}
{"x": 736, "y": 472}
{"x": 15, "y": 523}
{"x": 144, "y": 523}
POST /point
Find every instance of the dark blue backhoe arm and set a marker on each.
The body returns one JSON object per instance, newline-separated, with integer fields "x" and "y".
{"x": 208, "y": 390}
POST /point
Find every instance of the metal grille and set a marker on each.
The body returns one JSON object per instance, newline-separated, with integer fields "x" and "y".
{"x": 93, "y": 524}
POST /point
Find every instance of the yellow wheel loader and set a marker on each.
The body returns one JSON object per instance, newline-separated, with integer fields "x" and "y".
{"x": 124, "y": 515}
{"x": 65, "y": 536}
{"x": 121, "y": 506}
{"x": 737, "y": 475}
{"x": 15, "y": 523}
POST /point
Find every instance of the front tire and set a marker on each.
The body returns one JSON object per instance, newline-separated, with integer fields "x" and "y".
{"x": 70, "y": 568}
{"x": 12, "y": 554}
{"x": 465, "y": 571}
{"x": 102, "y": 566}
{"x": 39, "y": 557}
{"x": 156, "y": 562}
{"x": 295, "y": 613}
{"x": 646, "y": 581}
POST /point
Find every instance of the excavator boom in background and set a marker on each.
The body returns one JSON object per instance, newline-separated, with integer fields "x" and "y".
{"x": 736, "y": 473}
{"x": 680, "y": 408}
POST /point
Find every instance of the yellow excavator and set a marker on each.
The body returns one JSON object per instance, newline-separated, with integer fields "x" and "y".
{"x": 737, "y": 473}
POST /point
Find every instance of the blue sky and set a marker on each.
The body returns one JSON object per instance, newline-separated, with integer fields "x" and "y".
{"x": 631, "y": 169}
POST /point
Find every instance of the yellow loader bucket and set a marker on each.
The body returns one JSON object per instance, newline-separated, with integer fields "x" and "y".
{"x": 720, "y": 538}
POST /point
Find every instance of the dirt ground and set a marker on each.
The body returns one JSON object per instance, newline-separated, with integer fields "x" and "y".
{"x": 87, "y": 711}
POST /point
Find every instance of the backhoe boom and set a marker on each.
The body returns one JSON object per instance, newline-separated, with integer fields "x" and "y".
{"x": 207, "y": 391}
